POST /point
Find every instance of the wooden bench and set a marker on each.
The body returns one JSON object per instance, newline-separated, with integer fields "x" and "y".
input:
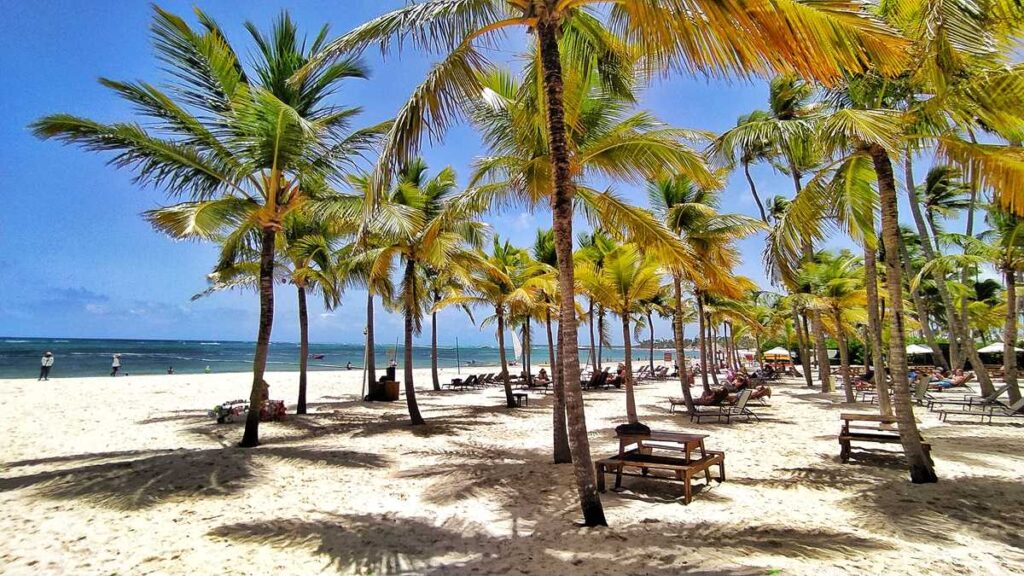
{"x": 851, "y": 432}
{"x": 521, "y": 398}
{"x": 683, "y": 469}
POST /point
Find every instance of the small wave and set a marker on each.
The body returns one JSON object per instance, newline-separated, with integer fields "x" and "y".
{"x": 62, "y": 341}
{"x": 209, "y": 343}
{"x": 15, "y": 341}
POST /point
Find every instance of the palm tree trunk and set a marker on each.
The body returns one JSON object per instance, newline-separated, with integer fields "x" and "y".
{"x": 371, "y": 353}
{"x": 560, "y": 449}
{"x": 650, "y": 347}
{"x": 300, "y": 407}
{"x": 921, "y": 467}
{"x": 410, "y": 324}
{"x": 251, "y": 436}
{"x": 593, "y": 348}
{"x": 713, "y": 336}
{"x": 844, "y": 357}
{"x": 561, "y": 208}
{"x": 1010, "y": 336}
{"x": 628, "y": 375}
{"x": 527, "y": 359}
{"x": 680, "y": 342}
{"x": 433, "y": 350}
{"x": 753, "y": 191}
{"x": 600, "y": 336}
{"x": 804, "y": 349}
{"x": 875, "y": 329}
{"x": 509, "y": 400}
{"x": 703, "y": 341}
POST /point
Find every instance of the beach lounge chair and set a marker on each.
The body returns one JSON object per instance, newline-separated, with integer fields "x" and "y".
{"x": 642, "y": 373}
{"x": 600, "y": 380}
{"x": 970, "y": 400}
{"x": 1015, "y": 410}
{"x": 728, "y": 411}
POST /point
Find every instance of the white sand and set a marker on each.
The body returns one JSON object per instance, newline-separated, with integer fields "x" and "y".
{"x": 128, "y": 476}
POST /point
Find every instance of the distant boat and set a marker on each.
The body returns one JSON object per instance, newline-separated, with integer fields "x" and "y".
{"x": 317, "y": 356}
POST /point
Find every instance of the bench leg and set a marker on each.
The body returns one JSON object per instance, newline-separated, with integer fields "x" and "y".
{"x": 600, "y": 477}
{"x": 687, "y": 490}
{"x": 721, "y": 470}
{"x": 844, "y": 451}
{"x": 618, "y": 477}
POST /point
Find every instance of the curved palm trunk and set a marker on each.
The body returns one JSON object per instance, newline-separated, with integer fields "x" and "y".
{"x": 251, "y": 436}
{"x": 300, "y": 408}
{"x": 844, "y": 357}
{"x": 680, "y": 343}
{"x": 410, "y": 324}
{"x": 560, "y": 439}
{"x": 875, "y": 329}
{"x": 628, "y": 376}
{"x": 921, "y": 467}
{"x": 650, "y": 347}
{"x": 713, "y": 336}
{"x": 1010, "y": 336}
{"x": 371, "y": 353}
{"x": 509, "y": 400}
{"x": 804, "y": 349}
{"x": 561, "y": 208}
{"x": 593, "y": 347}
{"x": 703, "y": 342}
{"x": 753, "y": 191}
{"x": 433, "y": 350}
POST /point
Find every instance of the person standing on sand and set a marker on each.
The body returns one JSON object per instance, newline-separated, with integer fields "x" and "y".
{"x": 115, "y": 365}
{"x": 46, "y": 364}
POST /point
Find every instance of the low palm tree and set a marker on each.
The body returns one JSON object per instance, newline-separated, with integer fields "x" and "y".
{"x": 246, "y": 146}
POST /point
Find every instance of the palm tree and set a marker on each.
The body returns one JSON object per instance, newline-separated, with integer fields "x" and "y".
{"x": 245, "y": 146}
{"x": 626, "y": 278}
{"x": 430, "y": 229}
{"x": 837, "y": 285}
{"x": 690, "y": 211}
{"x": 713, "y": 37}
{"x": 661, "y": 304}
{"x": 508, "y": 281}
{"x": 544, "y": 252}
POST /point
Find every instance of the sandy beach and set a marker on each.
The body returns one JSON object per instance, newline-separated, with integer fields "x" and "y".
{"x": 129, "y": 476}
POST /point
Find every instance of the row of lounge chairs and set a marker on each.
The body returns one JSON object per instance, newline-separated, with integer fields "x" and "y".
{"x": 985, "y": 407}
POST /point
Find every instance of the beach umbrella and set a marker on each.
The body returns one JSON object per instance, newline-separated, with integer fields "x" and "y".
{"x": 918, "y": 349}
{"x": 995, "y": 348}
{"x": 777, "y": 353}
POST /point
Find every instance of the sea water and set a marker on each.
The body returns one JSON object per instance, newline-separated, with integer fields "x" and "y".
{"x": 76, "y": 357}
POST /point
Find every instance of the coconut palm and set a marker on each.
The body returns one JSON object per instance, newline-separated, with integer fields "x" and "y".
{"x": 712, "y": 37}
{"x": 544, "y": 252}
{"x": 661, "y": 304}
{"x": 625, "y": 279}
{"x": 690, "y": 211}
{"x": 245, "y": 146}
{"x": 507, "y": 281}
{"x": 430, "y": 229}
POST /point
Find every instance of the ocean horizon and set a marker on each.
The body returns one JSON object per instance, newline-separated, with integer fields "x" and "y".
{"x": 78, "y": 357}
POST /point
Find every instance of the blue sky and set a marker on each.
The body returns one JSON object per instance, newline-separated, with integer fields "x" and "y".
{"x": 76, "y": 259}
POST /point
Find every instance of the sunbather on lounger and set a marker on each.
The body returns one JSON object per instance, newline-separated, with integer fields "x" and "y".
{"x": 711, "y": 397}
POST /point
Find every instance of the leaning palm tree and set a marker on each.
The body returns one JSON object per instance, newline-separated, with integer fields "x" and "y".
{"x": 245, "y": 146}
{"x": 719, "y": 38}
{"x": 429, "y": 229}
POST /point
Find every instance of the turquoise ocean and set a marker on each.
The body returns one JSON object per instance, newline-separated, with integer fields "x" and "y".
{"x": 77, "y": 357}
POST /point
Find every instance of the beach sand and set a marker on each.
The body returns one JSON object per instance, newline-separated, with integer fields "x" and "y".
{"x": 129, "y": 476}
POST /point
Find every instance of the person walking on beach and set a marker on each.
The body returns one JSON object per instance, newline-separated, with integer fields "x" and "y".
{"x": 115, "y": 365}
{"x": 46, "y": 364}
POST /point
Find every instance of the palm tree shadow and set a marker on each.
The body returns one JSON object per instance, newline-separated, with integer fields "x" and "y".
{"x": 139, "y": 480}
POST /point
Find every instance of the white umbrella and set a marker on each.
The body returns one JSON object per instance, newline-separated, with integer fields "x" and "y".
{"x": 918, "y": 349}
{"x": 776, "y": 353}
{"x": 994, "y": 348}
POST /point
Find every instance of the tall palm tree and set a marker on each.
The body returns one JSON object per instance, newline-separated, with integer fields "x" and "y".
{"x": 661, "y": 304}
{"x": 711, "y": 37}
{"x": 435, "y": 230}
{"x": 544, "y": 252}
{"x": 246, "y": 146}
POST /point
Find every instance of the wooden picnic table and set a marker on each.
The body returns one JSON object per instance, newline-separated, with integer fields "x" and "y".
{"x": 642, "y": 457}
{"x": 676, "y": 441}
{"x": 853, "y": 431}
